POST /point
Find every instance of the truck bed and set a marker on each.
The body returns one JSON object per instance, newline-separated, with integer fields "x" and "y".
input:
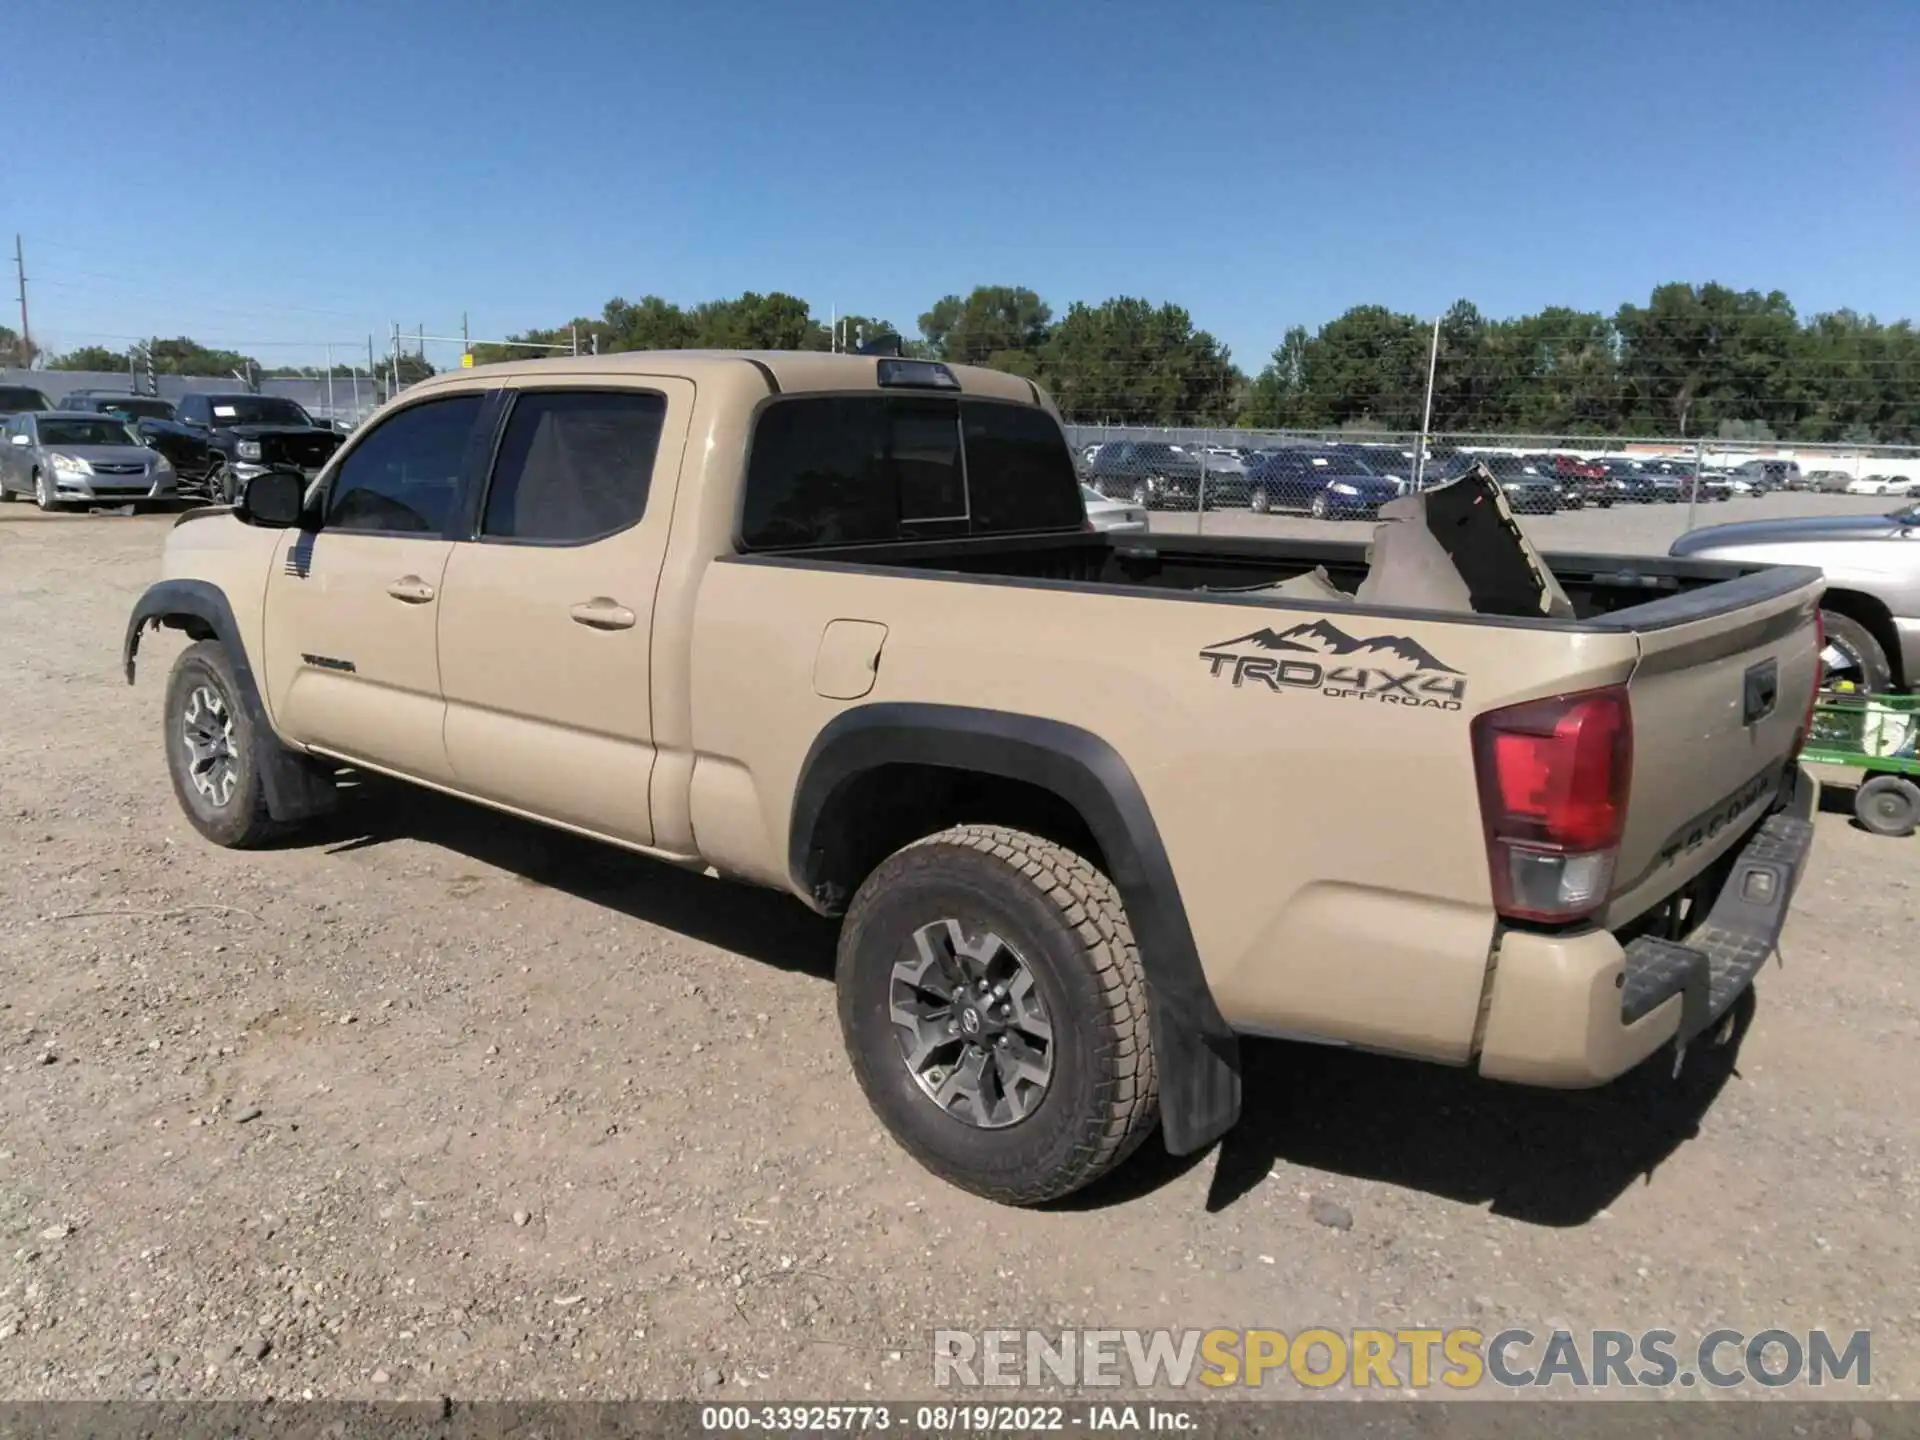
{"x": 1658, "y": 590}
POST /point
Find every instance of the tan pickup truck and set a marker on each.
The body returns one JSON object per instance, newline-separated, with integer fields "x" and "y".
{"x": 1092, "y": 806}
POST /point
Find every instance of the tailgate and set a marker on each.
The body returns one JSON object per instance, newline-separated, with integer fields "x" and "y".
{"x": 1719, "y": 698}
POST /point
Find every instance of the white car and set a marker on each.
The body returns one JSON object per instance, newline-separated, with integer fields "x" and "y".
{"x": 1113, "y": 516}
{"x": 1883, "y": 485}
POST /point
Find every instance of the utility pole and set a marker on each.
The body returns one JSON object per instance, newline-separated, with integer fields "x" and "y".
{"x": 576, "y": 337}
{"x": 423, "y": 340}
{"x": 466, "y": 344}
{"x": 1426, "y": 416}
{"x": 330, "y": 410}
{"x": 26, "y": 331}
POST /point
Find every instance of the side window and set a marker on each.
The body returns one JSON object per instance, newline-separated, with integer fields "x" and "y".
{"x": 191, "y": 408}
{"x": 403, "y": 477}
{"x": 574, "y": 465}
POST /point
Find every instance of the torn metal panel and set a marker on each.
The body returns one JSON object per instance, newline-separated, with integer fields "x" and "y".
{"x": 1457, "y": 548}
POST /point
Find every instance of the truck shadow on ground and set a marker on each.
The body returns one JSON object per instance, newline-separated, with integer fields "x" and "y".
{"x": 1550, "y": 1158}
{"x": 762, "y": 925}
{"x": 1545, "y": 1157}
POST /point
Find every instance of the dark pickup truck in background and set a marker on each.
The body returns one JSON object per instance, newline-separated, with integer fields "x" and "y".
{"x": 230, "y": 438}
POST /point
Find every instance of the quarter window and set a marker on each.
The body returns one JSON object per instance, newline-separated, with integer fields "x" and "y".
{"x": 402, "y": 479}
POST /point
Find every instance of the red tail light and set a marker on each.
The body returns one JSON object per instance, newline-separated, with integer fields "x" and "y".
{"x": 1553, "y": 797}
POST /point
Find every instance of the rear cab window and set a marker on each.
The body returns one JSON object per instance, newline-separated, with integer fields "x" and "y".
{"x": 867, "y": 469}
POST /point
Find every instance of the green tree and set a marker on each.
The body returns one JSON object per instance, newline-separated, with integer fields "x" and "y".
{"x": 1129, "y": 362}
{"x": 90, "y": 357}
{"x": 15, "y": 352}
{"x": 995, "y": 325}
{"x": 183, "y": 356}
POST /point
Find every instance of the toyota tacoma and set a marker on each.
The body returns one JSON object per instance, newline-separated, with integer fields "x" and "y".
{"x": 1093, "y": 807}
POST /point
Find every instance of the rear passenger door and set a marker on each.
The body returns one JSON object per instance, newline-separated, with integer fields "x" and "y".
{"x": 547, "y": 626}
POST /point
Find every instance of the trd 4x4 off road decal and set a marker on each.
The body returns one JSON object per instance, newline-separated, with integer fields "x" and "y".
{"x": 1391, "y": 669}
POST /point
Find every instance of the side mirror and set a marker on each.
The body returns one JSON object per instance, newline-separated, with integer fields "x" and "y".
{"x": 275, "y": 500}
{"x": 21, "y": 440}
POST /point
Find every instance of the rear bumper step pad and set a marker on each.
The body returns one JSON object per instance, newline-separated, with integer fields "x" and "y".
{"x": 1719, "y": 958}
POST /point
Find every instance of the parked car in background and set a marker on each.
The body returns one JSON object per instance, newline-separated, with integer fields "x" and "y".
{"x": 16, "y": 398}
{"x": 124, "y": 404}
{"x": 1149, "y": 473}
{"x": 1882, "y": 485}
{"x": 1582, "y": 480}
{"x": 1113, "y": 516}
{"x": 1765, "y": 476}
{"x": 1829, "y": 482}
{"x": 1226, "y": 476}
{"x": 1632, "y": 482}
{"x": 1391, "y": 461}
{"x": 1871, "y": 607}
{"x": 1323, "y": 480}
{"x": 62, "y": 456}
{"x": 1531, "y": 489}
{"x": 246, "y": 435}
{"x": 1679, "y": 475}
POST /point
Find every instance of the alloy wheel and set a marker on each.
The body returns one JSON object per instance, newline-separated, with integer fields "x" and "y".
{"x": 206, "y": 732}
{"x": 973, "y": 1030}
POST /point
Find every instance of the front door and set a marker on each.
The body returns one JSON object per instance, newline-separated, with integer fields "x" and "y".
{"x": 353, "y": 609}
{"x": 546, "y": 630}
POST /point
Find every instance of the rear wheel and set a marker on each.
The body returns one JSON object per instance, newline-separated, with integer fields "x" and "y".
{"x": 1852, "y": 656}
{"x": 1318, "y": 507}
{"x": 1142, "y": 496}
{"x": 1888, "y": 805}
{"x": 995, "y": 1011}
{"x": 1258, "y": 502}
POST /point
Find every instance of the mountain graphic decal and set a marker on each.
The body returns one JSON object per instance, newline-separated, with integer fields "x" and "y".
{"x": 1323, "y": 637}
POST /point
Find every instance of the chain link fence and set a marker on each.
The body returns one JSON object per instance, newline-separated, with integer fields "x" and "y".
{"x": 1223, "y": 478}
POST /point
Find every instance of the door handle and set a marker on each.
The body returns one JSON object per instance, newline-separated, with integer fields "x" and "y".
{"x": 412, "y": 589}
{"x": 600, "y": 613}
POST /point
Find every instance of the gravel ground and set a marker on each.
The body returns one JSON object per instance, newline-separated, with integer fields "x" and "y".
{"x": 435, "y": 1102}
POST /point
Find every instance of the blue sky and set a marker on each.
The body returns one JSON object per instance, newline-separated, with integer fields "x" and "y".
{"x": 270, "y": 172}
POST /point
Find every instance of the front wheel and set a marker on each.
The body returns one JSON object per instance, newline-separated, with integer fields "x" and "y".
{"x": 43, "y": 495}
{"x": 995, "y": 1010}
{"x": 1318, "y": 507}
{"x": 1258, "y": 502}
{"x": 1142, "y": 496}
{"x": 213, "y": 752}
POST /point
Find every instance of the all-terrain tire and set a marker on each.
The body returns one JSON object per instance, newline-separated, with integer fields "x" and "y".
{"x": 1066, "y": 920}
{"x": 241, "y": 821}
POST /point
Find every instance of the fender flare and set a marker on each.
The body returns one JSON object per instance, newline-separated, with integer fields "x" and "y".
{"x": 1197, "y": 1053}
{"x": 294, "y": 785}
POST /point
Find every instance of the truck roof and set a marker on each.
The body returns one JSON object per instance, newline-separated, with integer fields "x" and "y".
{"x": 792, "y": 371}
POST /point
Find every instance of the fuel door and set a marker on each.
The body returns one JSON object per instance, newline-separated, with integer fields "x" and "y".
{"x": 848, "y": 659}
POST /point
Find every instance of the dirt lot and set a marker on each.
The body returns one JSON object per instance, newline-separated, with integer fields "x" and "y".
{"x": 436, "y": 1102}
